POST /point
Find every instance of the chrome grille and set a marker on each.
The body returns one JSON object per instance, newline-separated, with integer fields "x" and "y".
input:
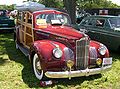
{"x": 93, "y": 55}
{"x": 82, "y": 53}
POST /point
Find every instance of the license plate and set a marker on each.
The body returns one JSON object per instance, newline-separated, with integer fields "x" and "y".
{"x": 107, "y": 61}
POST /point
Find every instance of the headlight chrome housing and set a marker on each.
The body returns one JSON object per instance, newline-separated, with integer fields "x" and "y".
{"x": 57, "y": 52}
{"x": 102, "y": 50}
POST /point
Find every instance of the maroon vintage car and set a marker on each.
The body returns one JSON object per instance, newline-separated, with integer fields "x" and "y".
{"x": 55, "y": 49}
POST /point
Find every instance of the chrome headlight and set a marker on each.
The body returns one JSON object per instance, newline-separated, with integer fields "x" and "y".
{"x": 102, "y": 50}
{"x": 57, "y": 52}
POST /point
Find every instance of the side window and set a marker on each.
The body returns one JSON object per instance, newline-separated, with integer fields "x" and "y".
{"x": 100, "y": 22}
{"x": 84, "y": 21}
{"x": 23, "y": 16}
{"x": 107, "y": 24}
{"x": 20, "y": 15}
{"x": 91, "y": 22}
{"x": 29, "y": 20}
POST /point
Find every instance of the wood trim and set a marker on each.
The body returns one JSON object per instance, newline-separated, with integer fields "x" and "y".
{"x": 26, "y": 29}
{"x": 29, "y": 34}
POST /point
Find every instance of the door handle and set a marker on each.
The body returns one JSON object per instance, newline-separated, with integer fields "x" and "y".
{"x": 93, "y": 31}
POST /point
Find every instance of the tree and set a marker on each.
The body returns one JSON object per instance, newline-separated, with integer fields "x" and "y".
{"x": 70, "y": 6}
{"x": 6, "y": 7}
{"x": 52, "y": 3}
{"x": 88, "y": 4}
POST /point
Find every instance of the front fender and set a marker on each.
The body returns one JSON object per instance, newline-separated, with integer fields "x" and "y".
{"x": 44, "y": 49}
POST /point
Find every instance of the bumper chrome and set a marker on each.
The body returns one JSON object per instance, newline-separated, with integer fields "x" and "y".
{"x": 78, "y": 73}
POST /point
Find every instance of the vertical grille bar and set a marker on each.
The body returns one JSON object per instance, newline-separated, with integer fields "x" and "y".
{"x": 82, "y": 53}
{"x": 93, "y": 55}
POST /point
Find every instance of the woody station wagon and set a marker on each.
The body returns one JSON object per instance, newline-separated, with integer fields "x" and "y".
{"x": 55, "y": 49}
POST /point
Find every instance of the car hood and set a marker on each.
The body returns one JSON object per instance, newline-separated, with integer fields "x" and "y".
{"x": 64, "y": 31}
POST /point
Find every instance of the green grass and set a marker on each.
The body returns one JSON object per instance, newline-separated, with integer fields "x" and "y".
{"x": 16, "y": 72}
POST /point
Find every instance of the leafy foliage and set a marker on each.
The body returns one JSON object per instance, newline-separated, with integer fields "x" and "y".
{"x": 6, "y": 7}
{"x": 81, "y": 4}
{"x": 87, "y": 4}
{"x": 52, "y": 3}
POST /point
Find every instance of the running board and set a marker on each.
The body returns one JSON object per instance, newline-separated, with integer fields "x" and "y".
{"x": 24, "y": 50}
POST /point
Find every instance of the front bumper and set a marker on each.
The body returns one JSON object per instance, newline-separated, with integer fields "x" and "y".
{"x": 78, "y": 73}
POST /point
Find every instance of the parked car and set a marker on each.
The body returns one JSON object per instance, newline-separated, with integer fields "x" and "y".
{"x": 105, "y": 29}
{"x": 55, "y": 49}
{"x": 6, "y": 24}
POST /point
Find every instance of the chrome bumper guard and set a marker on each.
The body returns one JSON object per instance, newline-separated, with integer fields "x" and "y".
{"x": 78, "y": 73}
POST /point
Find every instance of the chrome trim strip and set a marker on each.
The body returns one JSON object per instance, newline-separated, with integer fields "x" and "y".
{"x": 78, "y": 73}
{"x": 8, "y": 28}
{"x": 106, "y": 33}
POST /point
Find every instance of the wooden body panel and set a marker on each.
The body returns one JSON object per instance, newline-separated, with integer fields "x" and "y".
{"x": 24, "y": 25}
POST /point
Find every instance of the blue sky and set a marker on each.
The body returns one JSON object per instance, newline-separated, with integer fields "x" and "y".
{"x": 9, "y": 2}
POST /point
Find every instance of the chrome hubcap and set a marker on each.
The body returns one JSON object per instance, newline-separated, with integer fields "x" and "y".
{"x": 38, "y": 66}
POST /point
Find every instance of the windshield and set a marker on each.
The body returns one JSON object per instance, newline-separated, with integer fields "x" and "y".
{"x": 115, "y": 22}
{"x": 59, "y": 19}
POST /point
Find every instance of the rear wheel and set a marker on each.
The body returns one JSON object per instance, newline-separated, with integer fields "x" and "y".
{"x": 38, "y": 71}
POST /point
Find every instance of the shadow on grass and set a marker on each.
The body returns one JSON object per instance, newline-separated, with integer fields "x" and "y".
{"x": 115, "y": 55}
{"x": 27, "y": 74}
{"x": 76, "y": 81}
{"x": 16, "y": 55}
{"x": 2, "y": 61}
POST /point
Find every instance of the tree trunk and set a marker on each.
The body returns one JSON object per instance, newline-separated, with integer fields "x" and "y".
{"x": 70, "y": 6}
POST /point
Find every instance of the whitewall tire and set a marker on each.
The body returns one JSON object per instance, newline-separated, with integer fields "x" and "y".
{"x": 37, "y": 67}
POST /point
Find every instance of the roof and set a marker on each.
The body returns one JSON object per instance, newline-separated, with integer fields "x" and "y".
{"x": 42, "y": 9}
{"x": 34, "y": 6}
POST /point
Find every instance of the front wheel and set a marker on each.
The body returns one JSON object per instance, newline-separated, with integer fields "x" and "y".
{"x": 37, "y": 67}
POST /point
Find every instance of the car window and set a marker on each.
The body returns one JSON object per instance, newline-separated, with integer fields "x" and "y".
{"x": 20, "y": 15}
{"x": 84, "y": 21}
{"x": 100, "y": 22}
{"x": 91, "y": 21}
{"x": 115, "y": 22}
